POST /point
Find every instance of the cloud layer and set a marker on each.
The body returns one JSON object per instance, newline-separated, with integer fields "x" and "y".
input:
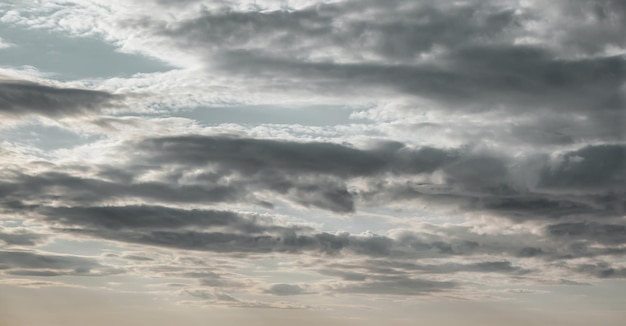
{"x": 485, "y": 151}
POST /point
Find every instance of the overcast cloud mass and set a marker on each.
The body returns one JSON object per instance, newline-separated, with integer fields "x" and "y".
{"x": 407, "y": 162}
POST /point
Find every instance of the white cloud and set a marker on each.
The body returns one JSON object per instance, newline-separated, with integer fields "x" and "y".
{"x": 4, "y": 44}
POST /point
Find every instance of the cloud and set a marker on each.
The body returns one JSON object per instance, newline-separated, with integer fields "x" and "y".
{"x": 484, "y": 180}
{"x": 31, "y": 263}
{"x": 20, "y": 98}
{"x": 397, "y": 285}
{"x": 33, "y": 284}
{"x": 481, "y": 267}
{"x": 211, "y": 296}
{"x": 603, "y": 20}
{"x": 310, "y": 174}
{"x": 602, "y": 270}
{"x": 569, "y": 185}
{"x": 4, "y": 44}
{"x": 21, "y": 237}
{"x": 371, "y": 271}
{"x": 194, "y": 230}
{"x": 285, "y": 289}
{"x": 154, "y": 217}
{"x": 607, "y": 234}
{"x": 360, "y": 26}
{"x": 524, "y": 79}
{"x": 510, "y": 118}
{"x": 253, "y": 155}
{"x": 236, "y": 234}
{"x": 137, "y": 258}
{"x": 592, "y": 168}
{"x": 480, "y": 65}
{"x": 85, "y": 190}
{"x": 35, "y": 260}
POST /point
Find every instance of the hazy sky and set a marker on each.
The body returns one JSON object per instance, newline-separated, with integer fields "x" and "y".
{"x": 339, "y": 162}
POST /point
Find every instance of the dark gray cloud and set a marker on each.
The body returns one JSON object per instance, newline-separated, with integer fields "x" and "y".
{"x": 219, "y": 231}
{"x": 592, "y": 168}
{"x": 310, "y": 174}
{"x": 476, "y": 58}
{"x": 274, "y": 239}
{"x": 605, "y": 27}
{"x": 19, "y": 98}
{"x": 237, "y": 234}
{"x": 252, "y": 156}
{"x": 525, "y": 79}
{"x": 572, "y": 185}
{"x": 344, "y": 274}
{"x": 602, "y": 270}
{"x": 137, "y": 258}
{"x": 607, "y": 234}
{"x": 360, "y": 26}
{"x": 228, "y": 232}
{"x": 503, "y": 266}
{"x": 561, "y": 92}
{"x": 21, "y": 238}
{"x": 482, "y": 65}
{"x": 371, "y": 270}
{"x": 576, "y": 184}
{"x": 394, "y": 269}
{"x": 25, "y": 259}
{"x": 282, "y": 166}
{"x": 398, "y": 285}
{"x": 28, "y": 263}
{"x": 155, "y": 218}
{"x": 84, "y": 190}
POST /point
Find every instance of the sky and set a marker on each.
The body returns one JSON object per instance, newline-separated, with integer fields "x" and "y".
{"x": 406, "y": 162}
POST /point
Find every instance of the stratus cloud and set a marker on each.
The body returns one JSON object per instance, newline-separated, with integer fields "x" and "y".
{"x": 361, "y": 26}
{"x": 607, "y": 234}
{"x": 552, "y": 82}
{"x": 481, "y": 61}
{"x": 397, "y": 285}
{"x": 30, "y": 263}
{"x": 548, "y": 81}
{"x": 589, "y": 169}
{"x": 20, "y": 237}
{"x": 394, "y": 271}
{"x": 22, "y": 98}
{"x": 572, "y": 185}
{"x": 283, "y": 289}
{"x": 235, "y": 233}
{"x": 473, "y": 60}
{"x": 478, "y": 180}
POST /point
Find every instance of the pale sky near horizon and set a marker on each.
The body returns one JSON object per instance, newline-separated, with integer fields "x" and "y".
{"x": 338, "y": 162}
